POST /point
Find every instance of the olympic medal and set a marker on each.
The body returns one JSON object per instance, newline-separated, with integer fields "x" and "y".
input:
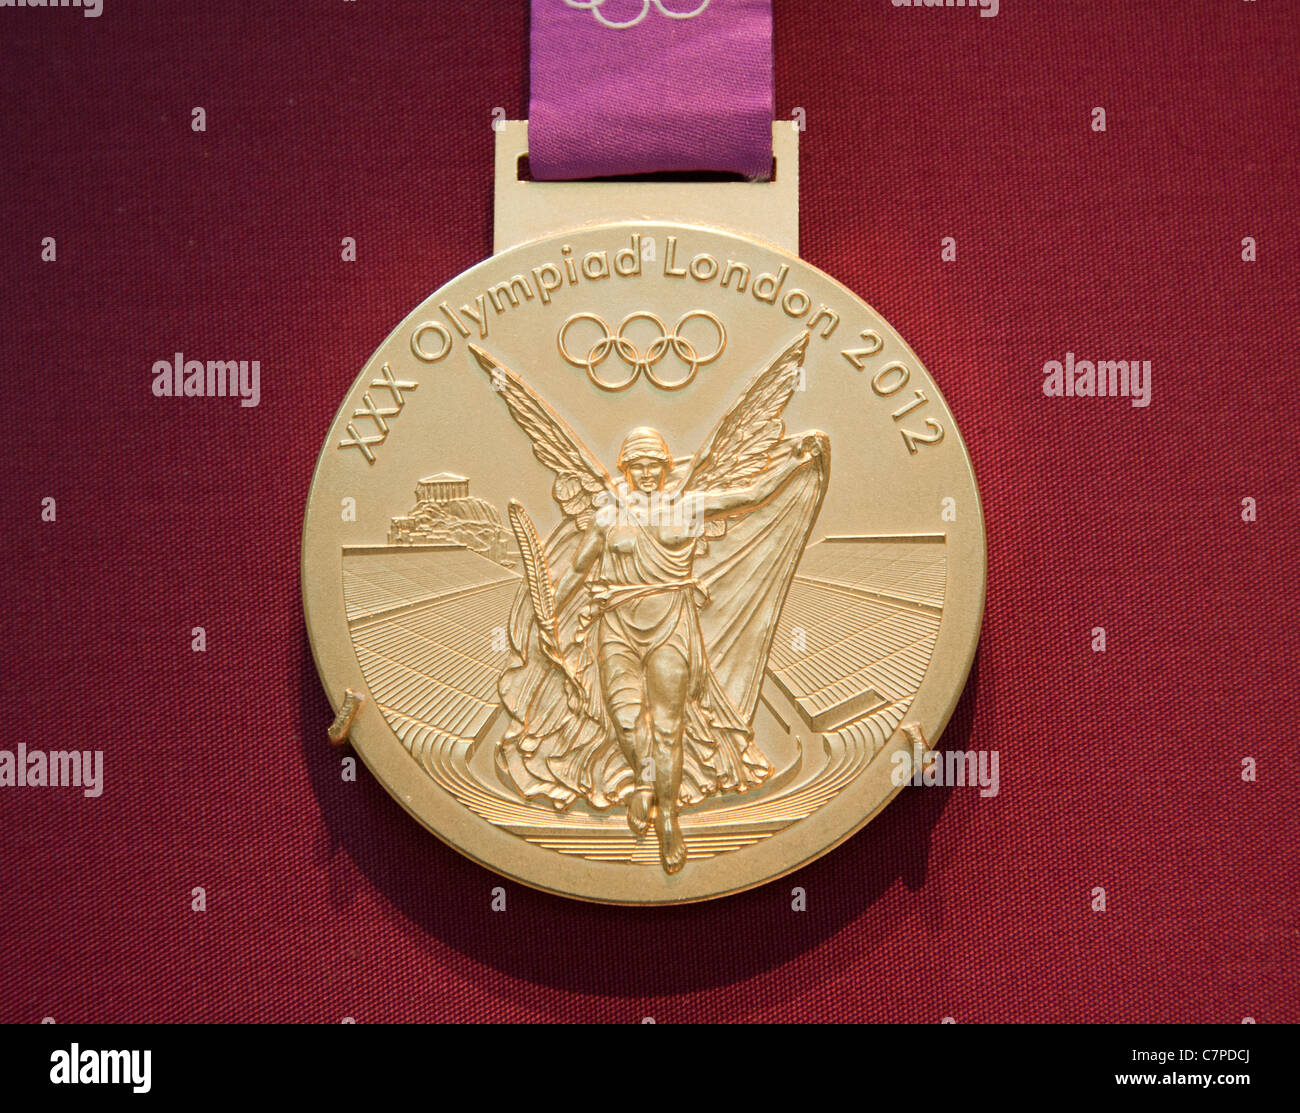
{"x": 636, "y": 560}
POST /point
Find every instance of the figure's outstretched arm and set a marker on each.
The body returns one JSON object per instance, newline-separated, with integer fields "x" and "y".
{"x": 593, "y": 540}
{"x": 716, "y": 504}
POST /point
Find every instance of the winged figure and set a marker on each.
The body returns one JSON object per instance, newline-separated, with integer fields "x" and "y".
{"x": 634, "y": 676}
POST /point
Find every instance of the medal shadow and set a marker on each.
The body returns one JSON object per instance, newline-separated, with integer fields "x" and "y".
{"x": 601, "y": 949}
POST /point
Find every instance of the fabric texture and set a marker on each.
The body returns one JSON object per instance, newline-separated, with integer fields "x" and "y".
{"x": 1120, "y": 769}
{"x": 637, "y": 86}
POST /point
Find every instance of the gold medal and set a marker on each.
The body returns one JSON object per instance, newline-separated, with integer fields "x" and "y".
{"x": 639, "y": 552}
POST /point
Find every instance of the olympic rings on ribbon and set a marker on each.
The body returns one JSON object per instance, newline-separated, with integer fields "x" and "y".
{"x": 594, "y": 7}
{"x": 630, "y": 354}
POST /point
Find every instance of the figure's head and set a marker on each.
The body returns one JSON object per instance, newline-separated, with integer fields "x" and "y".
{"x": 645, "y": 460}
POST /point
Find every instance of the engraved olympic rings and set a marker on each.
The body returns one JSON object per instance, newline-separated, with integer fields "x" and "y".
{"x": 594, "y": 7}
{"x": 638, "y": 361}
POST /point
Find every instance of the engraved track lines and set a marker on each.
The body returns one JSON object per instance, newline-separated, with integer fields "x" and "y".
{"x": 910, "y": 571}
{"x": 435, "y": 663}
{"x": 422, "y": 621}
{"x": 852, "y": 645}
{"x": 608, "y": 838}
{"x": 379, "y": 580}
{"x": 726, "y": 829}
{"x": 869, "y": 611}
{"x": 644, "y": 852}
{"x": 844, "y": 763}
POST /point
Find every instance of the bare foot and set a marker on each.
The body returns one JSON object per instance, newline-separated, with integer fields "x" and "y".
{"x": 638, "y": 810}
{"x": 672, "y": 849}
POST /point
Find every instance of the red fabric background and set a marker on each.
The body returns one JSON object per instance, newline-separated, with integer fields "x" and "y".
{"x": 372, "y": 120}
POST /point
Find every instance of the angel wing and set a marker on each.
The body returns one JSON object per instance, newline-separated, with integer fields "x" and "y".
{"x": 579, "y": 478}
{"x": 739, "y": 447}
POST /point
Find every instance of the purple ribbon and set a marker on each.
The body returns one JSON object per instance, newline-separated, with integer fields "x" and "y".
{"x": 639, "y": 86}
